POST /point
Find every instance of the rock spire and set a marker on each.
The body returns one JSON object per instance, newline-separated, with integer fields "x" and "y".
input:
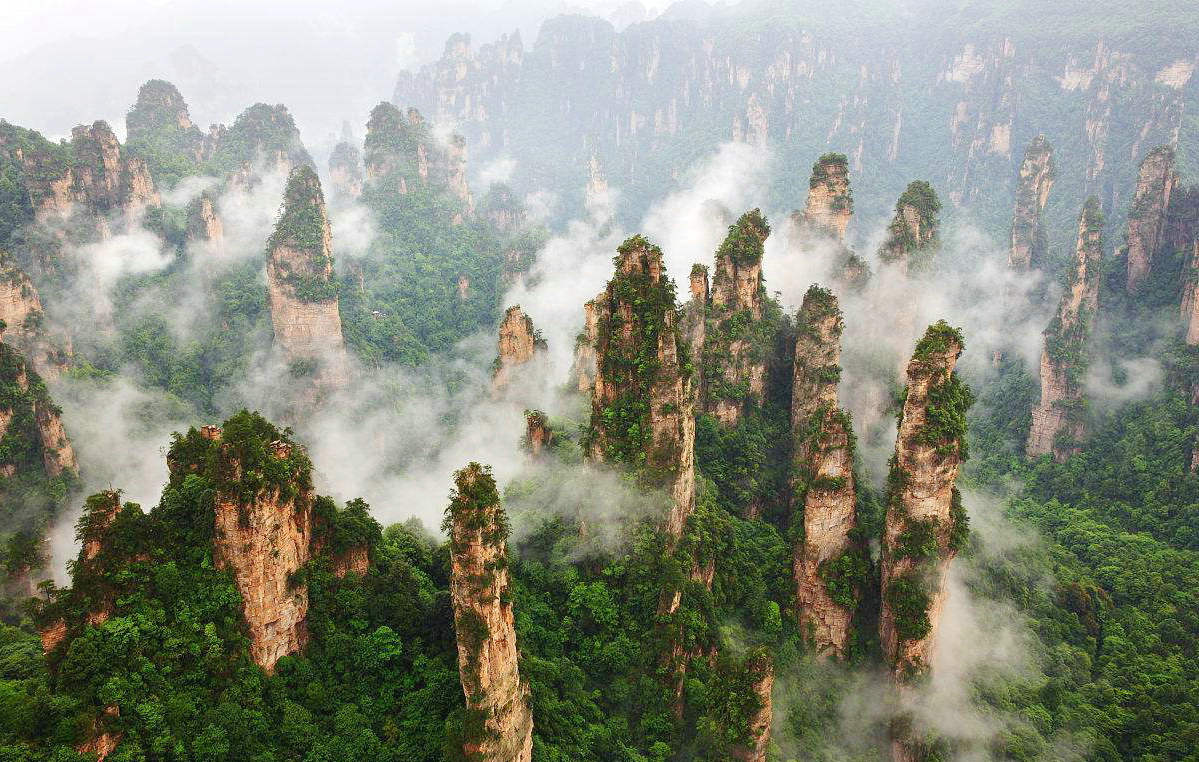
{"x": 499, "y": 724}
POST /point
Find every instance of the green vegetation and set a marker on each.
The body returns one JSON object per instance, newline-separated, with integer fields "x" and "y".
{"x": 633, "y": 367}
{"x": 154, "y": 132}
{"x": 914, "y": 240}
{"x": 30, "y": 498}
{"x": 259, "y": 132}
{"x": 743, "y": 245}
{"x": 26, "y": 159}
{"x": 301, "y": 227}
{"x": 908, "y": 599}
{"x": 846, "y": 576}
{"x": 377, "y": 681}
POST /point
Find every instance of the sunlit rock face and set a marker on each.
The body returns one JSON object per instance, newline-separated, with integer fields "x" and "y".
{"x": 264, "y": 539}
{"x": 24, "y": 326}
{"x": 1058, "y": 421}
{"x": 499, "y": 727}
{"x": 583, "y": 368}
{"x": 518, "y": 342}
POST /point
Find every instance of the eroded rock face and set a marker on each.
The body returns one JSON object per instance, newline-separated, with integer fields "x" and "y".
{"x": 1028, "y": 241}
{"x": 1057, "y": 421}
{"x": 23, "y": 318}
{"x": 596, "y": 196}
{"x": 105, "y": 181}
{"x": 456, "y": 172}
{"x": 500, "y": 725}
{"x": 925, "y": 524}
{"x": 824, "y": 469}
{"x": 583, "y": 369}
{"x": 694, "y": 322}
{"x": 57, "y": 453}
{"x": 734, "y": 373}
{"x": 263, "y": 539}
{"x": 401, "y": 154}
{"x": 91, "y": 177}
{"x": 102, "y": 510}
{"x": 355, "y": 560}
{"x": 503, "y": 210}
{"x": 830, "y": 202}
{"x": 97, "y": 168}
{"x": 913, "y": 235}
{"x": 101, "y": 742}
{"x": 519, "y": 340}
{"x": 53, "y": 635}
{"x": 300, "y": 288}
{"x": 640, "y": 324}
{"x": 1147, "y": 218}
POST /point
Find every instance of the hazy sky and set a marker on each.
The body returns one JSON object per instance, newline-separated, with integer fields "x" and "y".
{"x": 72, "y": 61}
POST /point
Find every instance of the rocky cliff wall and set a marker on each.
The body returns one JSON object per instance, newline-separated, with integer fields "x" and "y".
{"x": 829, "y": 207}
{"x": 518, "y": 342}
{"x": 824, "y": 490}
{"x": 643, "y": 382}
{"x": 24, "y": 323}
{"x": 263, "y": 535}
{"x": 301, "y": 293}
{"x": 499, "y": 725}
{"x": 734, "y": 342}
{"x": 30, "y": 424}
{"x": 914, "y": 233}
{"x": 1058, "y": 420}
{"x": 925, "y": 523}
{"x": 1029, "y": 240}
{"x": 936, "y": 89}
{"x": 1147, "y": 218}
{"x": 584, "y": 366}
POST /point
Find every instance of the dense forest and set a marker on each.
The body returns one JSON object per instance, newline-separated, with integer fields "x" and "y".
{"x": 936, "y": 502}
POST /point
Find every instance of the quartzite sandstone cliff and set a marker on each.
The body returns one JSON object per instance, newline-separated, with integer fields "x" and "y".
{"x": 1147, "y": 218}
{"x": 301, "y": 291}
{"x": 643, "y": 381}
{"x": 824, "y": 486}
{"x": 1058, "y": 421}
{"x": 924, "y": 521}
{"x": 499, "y": 726}
{"x": 734, "y": 356}
{"x": 1028, "y": 239}
{"x": 518, "y": 343}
